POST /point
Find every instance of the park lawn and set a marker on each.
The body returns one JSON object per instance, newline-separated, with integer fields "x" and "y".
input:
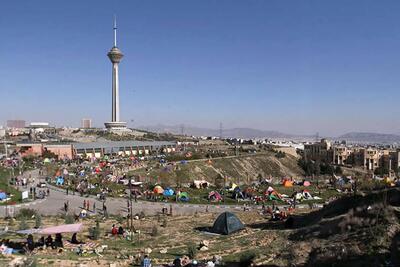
{"x": 6, "y": 187}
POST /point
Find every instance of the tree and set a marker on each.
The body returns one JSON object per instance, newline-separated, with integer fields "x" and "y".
{"x": 338, "y": 170}
{"x": 381, "y": 171}
{"x": 49, "y": 154}
{"x": 309, "y": 168}
{"x": 317, "y": 168}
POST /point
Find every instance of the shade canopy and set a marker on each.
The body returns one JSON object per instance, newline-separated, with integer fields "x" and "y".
{"x": 65, "y": 228}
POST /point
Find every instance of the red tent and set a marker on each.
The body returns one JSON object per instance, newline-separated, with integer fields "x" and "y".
{"x": 214, "y": 196}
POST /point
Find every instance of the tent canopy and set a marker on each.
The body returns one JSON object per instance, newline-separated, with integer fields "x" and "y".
{"x": 214, "y": 195}
{"x": 183, "y": 196}
{"x": 168, "y": 192}
{"x": 65, "y": 228}
{"x": 158, "y": 189}
{"x": 3, "y": 195}
{"x": 287, "y": 183}
{"x": 227, "y": 223}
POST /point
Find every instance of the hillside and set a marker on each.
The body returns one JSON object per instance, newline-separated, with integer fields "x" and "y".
{"x": 197, "y": 131}
{"x": 237, "y": 169}
{"x": 361, "y": 230}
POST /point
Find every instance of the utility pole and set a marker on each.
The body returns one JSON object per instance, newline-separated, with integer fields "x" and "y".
{"x": 130, "y": 208}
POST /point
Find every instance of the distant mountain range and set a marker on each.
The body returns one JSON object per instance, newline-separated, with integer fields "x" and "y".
{"x": 362, "y": 137}
{"x": 197, "y": 131}
{"x": 353, "y": 137}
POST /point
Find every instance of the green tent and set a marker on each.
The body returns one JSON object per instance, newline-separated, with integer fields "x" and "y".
{"x": 183, "y": 196}
{"x": 46, "y": 160}
{"x": 227, "y": 223}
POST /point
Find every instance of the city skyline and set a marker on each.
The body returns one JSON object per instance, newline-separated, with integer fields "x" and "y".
{"x": 328, "y": 68}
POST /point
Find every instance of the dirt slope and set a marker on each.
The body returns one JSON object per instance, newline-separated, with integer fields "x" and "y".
{"x": 237, "y": 169}
{"x": 363, "y": 230}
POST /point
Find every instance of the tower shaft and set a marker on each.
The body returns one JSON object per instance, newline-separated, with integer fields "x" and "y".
{"x": 115, "y": 93}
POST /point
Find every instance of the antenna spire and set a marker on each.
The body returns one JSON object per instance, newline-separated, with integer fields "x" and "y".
{"x": 115, "y": 31}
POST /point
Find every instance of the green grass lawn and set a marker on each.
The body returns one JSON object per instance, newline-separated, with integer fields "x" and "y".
{"x": 6, "y": 187}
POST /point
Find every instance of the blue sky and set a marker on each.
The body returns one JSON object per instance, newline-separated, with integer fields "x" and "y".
{"x": 294, "y": 66}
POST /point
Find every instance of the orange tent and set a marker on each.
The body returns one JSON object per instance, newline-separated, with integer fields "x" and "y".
{"x": 287, "y": 183}
{"x": 158, "y": 189}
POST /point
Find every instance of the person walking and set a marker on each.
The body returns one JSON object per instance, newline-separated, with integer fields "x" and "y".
{"x": 105, "y": 211}
{"x": 84, "y": 203}
{"x": 94, "y": 206}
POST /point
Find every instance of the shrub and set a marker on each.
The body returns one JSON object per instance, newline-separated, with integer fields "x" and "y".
{"x": 120, "y": 219}
{"x": 22, "y": 224}
{"x": 95, "y": 231}
{"x": 154, "y": 230}
{"x": 26, "y": 213}
{"x": 38, "y": 221}
{"x": 247, "y": 258}
{"x": 192, "y": 251}
{"x": 12, "y": 222}
{"x": 280, "y": 155}
{"x": 69, "y": 219}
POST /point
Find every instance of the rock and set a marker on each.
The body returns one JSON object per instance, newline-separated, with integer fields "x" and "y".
{"x": 205, "y": 243}
{"x": 147, "y": 251}
{"x": 113, "y": 265}
{"x": 164, "y": 251}
{"x": 204, "y": 248}
{"x": 20, "y": 261}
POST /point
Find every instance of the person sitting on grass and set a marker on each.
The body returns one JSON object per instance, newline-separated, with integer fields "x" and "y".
{"x": 114, "y": 230}
{"x": 74, "y": 240}
{"x": 121, "y": 230}
{"x": 49, "y": 242}
{"x": 58, "y": 241}
{"x": 30, "y": 243}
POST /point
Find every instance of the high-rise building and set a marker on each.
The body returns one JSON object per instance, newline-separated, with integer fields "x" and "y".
{"x": 86, "y": 123}
{"x": 16, "y": 124}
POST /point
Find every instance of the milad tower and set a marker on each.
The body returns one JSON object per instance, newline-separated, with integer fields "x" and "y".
{"x": 115, "y": 55}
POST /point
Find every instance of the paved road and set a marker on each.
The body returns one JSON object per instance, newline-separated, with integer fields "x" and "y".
{"x": 54, "y": 204}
